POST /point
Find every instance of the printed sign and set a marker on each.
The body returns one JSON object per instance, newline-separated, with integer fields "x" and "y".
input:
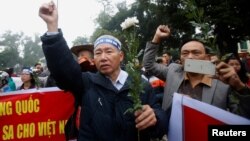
{"x": 35, "y": 115}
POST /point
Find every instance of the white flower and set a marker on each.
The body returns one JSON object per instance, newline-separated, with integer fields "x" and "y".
{"x": 129, "y": 22}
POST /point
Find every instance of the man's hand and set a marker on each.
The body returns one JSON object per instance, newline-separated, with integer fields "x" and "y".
{"x": 228, "y": 75}
{"x": 161, "y": 32}
{"x": 145, "y": 117}
{"x": 48, "y": 12}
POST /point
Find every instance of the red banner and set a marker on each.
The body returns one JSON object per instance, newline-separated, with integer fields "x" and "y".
{"x": 190, "y": 119}
{"x": 35, "y": 114}
{"x": 197, "y": 120}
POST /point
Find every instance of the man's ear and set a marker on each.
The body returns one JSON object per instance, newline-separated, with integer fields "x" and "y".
{"x": 121, "y": 56}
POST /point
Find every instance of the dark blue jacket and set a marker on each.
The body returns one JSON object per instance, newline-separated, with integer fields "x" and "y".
{"x": 103, "y": 106}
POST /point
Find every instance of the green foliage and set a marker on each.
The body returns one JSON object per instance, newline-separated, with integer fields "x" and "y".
{"x": 229, "y": 19}
{"x": 98, "y": 32}
{"x": 133, "y": 67}
{"x": 19, "y": 50}
{"x": 10, "y": 43}
{"x": 224, "y": 57}
{"x": 106, "y": 14}
{"x": 103, "y": 19}
{"x": 80, "y": 41}
{"x": 195, "y": 13}
{"x": 32, "y": 51}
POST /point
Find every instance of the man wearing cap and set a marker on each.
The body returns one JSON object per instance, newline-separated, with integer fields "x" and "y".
{"x": 104, "y": 95}
{"x": 85, "y": 56}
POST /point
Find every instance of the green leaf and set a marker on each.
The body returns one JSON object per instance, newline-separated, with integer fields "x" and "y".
{"x": 224, "y": 57}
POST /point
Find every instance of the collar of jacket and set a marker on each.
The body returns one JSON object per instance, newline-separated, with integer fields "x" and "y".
{"x": 103, "y": 81}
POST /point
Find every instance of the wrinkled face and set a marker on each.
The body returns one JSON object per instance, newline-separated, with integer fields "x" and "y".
{"x": 25, "y": 77}
{"x": 107, "y": 58}
{"x": 235, "y": 63}
{"x": 84, "y": 53}
{"x": 193, "y": 50}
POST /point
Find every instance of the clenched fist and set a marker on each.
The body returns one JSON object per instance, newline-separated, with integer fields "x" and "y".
{"x": 48, "y": 12}
{"x": 162, "y": 32}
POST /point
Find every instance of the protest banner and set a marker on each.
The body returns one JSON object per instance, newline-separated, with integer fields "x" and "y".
{"x": 190, "y": 120}
{"x": 35, "y": 114}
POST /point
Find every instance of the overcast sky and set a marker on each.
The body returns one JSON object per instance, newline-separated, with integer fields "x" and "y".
{"x": 76, "y": 17}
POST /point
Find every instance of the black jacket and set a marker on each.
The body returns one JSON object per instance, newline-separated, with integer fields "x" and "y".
{"x": 103, "y": 106}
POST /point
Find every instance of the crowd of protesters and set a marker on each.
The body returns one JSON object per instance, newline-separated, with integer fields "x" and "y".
{"x": 94, "y": 75}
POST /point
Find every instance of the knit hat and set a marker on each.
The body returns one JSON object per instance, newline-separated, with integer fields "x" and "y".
{"x": 108, "y": 39}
